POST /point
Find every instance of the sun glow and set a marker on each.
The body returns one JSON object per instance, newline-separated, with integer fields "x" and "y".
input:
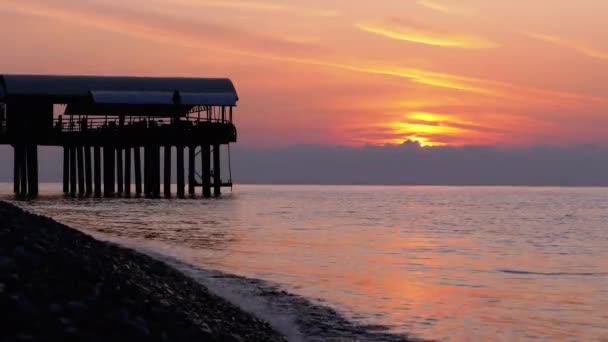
{"x": 428, "y": 129}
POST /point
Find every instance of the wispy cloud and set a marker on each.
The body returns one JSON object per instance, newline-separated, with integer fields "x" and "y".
{"x": 147, "y": 25}
{"x": 259, "y": 6}
{"x": 443, "y": 8}
{"x": 198, "y": 36}
{"x": 567, "y": 43}
{"x": 411, "y": 32}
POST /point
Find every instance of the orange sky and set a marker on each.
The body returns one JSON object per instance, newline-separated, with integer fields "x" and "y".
{"x": 468, "y": 72}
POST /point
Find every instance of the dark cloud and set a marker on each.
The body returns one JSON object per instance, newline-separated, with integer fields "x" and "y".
{"x": 405, "y": 164}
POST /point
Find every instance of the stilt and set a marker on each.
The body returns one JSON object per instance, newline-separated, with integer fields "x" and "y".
{"x": 180, "y": 171}
{"x": 106, "y": 176}
{"x": 88, "y": 172}
{"x": 119, "y": 171}
{"x": 217, "y": 173}
{"x": 66, "y": 170}
{"x": 156, "y": 171}
{"x": 146, "y": 171}
{"x": 108, "y": 171}
{"x": 111, "y": 171}
{"x": 80, "y": 157}
{"x": 191, "y": 169}
{"x": 73, "y": 176}
{"x": 16, "y": 170}
{"x": 167, "y": 171}
{"x": 137, "y": 157}
{"x": 157, "y": 180}
{"x": 206, "y": 169}
{"x": 128, "y": 171}
{"x": 32, "y": 170}
{"x": 97, "y": 159}
{"x": 23, "y": 169}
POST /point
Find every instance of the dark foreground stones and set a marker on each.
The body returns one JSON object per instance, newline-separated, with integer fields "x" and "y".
{"x": 58, "y": 284}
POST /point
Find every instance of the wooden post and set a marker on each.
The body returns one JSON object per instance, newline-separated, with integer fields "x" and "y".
{"x": 73, "y": 176}
{"x": 180, "y": 171}
{"x": 128, "y": 171}
{"x": 167, "y": 171}
{"x": 80, "y": 157}
{"x": 32, "y": 170}
{"x": 137, "y": 157}
{"x": 206, "y": 169}
{"x": 191, "y": 168}
{"x": 16, "y": 170}
{"x": 23, "y": 174}
{"x": 97, "y": 159}
{"x": 119, "y": 171}
{"x": 111, "y": 171}
{"x": 155, "y": 171}
{"x": 66, "y": 170}
{"x": 217, "y": 173}
{"x": 106, "y": 176}
{"x": 146, "y": 171}
{"x": 88, "y": 171}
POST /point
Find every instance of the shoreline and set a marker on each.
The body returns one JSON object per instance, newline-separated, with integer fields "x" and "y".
{"x": 57, "y": 283}
{"x": 276, "y": 314}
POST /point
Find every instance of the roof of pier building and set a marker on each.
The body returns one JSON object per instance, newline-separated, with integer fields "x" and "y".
{"x": 107, "y": 95}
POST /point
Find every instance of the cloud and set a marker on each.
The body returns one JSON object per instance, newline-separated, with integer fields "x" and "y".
{"x": 407, "y": 31}
{"x": 159, "y": 27}
{"x": 197, "y": 36}
{"x": 259, "y": 6}
{"x": 443, "y": 8}
{"x": 411, "y": 164}
{"x": 567, "y": 43}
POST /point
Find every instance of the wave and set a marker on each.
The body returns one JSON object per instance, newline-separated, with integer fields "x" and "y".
{"x": 552, "y": 274}
{"x": 296, "y": 317}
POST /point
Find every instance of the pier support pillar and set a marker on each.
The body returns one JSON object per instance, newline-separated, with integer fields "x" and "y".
{"x": 97, "y": 160}
{"x": 147, "y": 164}
{"x": 191, "y": 169}
{"x": 32, "y": 170}
{"x": 137, "y": 164}
{"x": 119, "y": 171}
{"x": 20, "y": 177}
{"x": 206, "y": 169}
{"x": 16, "y": 170}
{"x": 128, "y": 171}
{"x": 180, "y": 171}
{"x": 167, "y": 171}
{"x": 156, "y": 171}
{"x": 108, "y": 171}
{"x": 88, "y": 171}
{"x": 66, "y": 170}
{"x": 80, "y": 158}
{"x": 73, "y": 169}
{"x": 217, "y": 172}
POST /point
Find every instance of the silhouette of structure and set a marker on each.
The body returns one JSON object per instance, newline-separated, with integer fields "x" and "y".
{"x": 107, "y": 124}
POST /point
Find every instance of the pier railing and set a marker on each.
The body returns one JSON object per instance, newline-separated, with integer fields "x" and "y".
{"x": 73, "y": 124}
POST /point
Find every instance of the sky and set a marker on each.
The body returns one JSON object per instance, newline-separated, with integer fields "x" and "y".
{"x": 350, "y": 73}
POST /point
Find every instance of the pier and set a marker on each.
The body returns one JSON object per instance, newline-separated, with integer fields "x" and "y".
{"x": 119, "y": 133}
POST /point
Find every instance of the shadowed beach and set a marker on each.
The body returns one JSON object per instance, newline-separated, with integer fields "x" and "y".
{"x": 59, "y": 284}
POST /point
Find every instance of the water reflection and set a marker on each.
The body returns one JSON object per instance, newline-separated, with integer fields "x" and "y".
{"x": 443, "y": 263}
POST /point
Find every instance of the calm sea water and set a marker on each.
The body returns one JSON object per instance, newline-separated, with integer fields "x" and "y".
{"x": 445, "y": 263}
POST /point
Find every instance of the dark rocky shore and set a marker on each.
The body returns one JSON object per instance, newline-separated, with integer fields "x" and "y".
{"x": 58, "y": 284}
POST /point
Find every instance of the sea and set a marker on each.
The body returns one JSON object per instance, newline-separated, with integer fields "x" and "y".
{"x": 431, "y": 263}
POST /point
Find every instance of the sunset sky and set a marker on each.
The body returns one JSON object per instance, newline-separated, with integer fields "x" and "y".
{"x": 337, "y": 72}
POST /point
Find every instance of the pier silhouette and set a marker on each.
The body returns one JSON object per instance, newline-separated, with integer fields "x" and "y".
{"x": 110, "y": 128}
